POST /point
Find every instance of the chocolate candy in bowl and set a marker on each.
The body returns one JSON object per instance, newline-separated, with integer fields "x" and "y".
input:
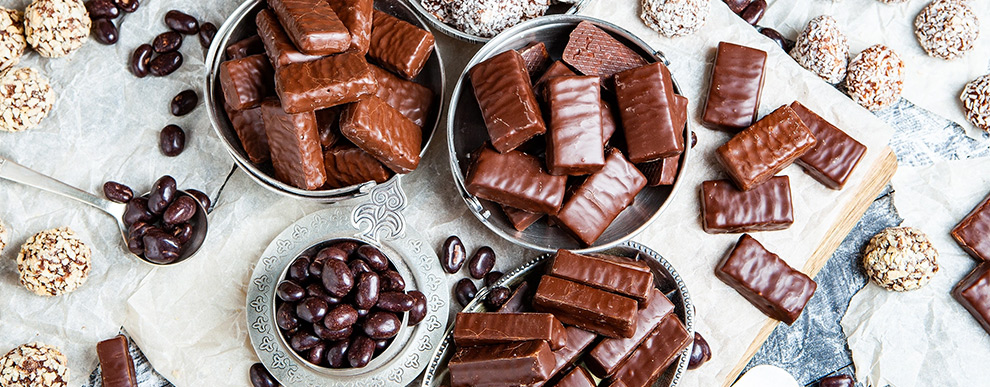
{"x": 436, "y": 11}
{"x": 240, "y": 25}
{"x": 467, "y": 134}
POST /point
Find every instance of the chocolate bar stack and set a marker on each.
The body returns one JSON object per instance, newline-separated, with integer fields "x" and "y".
{"x": 556, "y": 145}
{"x": 619, "y": 329}
{"x": 325, "y": 92}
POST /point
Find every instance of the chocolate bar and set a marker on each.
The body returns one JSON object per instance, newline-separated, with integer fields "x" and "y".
{"x": 574, "y": 145}
{"x": 399, "y": 46}
{"x": 245, "y": 47}
{"x": 973, "y": 232}
{"x": 606, "y": 356}
{"x": 474, "y": 329}
{"x": 761, "y": 151}
{"x": 578, "y": 377}
{"x": 608, "y": 122}
{"x": 600, "y": 198}
{"x": 536, "y": 57}
{"x": 585, "y": 307}
{"x": 973, "y": 292}
{"x": 383, "y": 132}
{"x": 577, "y": 340}
{"x": 646, "y": 107}
{"x": 357, "y": 17}
{"x": 312, "y": 25}
{"x": 832, "y": 160}
{"x": 295, "y": 146}
{"x": 513, "y": 364}
{"x": 520, "y": 219}
{"x": 409, "y": 98}
{"x": 328, "y": 126}
{"x": 736, "y": 87}
{"x": 618, "y": 275}
{"x": 515, "y": 179}
{"x": 593, "y": 51}
{"x": 657, "y": 352}
{"x": 325, "y": 82}
{"x": 281, "y": 51}
{"x": 557, "y": 69}
{"x": 517, "y": 301}
{"x": 508, "y": 105}
{"x": 726, "y": 209}
{"x": 765, "y": 280}
{"x": 116, "y": 363}
{"x": 348, "y": 165}
{"x": 250, "y": 129}
{"x": 246, "y": 81}
{"x": 661, "y": 172}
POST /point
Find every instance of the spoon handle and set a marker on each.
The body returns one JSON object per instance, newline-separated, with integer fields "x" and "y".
{"x": 15, "y": 172}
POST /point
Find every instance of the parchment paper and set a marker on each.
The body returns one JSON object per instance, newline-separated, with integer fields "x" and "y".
{"x": 932, "y": 83}
{"x": 925, "y": 337}
{"x": 104, "y": 126}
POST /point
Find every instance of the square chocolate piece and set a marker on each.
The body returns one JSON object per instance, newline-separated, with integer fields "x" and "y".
{"x": 383, "y": 132}
{"x": 835, "y": 155}
{"x": 348, "y": 165}
{"x": 647, "y": 109}
{"x": 574, "y": 141}
{"x": 726, "y": 209}
{"x": 312, "y": 25}
{"x": 409, "y": 98}
{"x": 505, "y": 96}
{"x": 973, "y": 292}
{"x": 973, "y": 232}
{"x": 246, "y": 81}
{"x": 295, "y": 146}
{"x": 399, "y": 46}
{"x": 250, "y": 129}
{"x": 736, "y": 87}
{"x": 325, "y": 82}
{"x": 601, "y": 198}
{"x": 761, "y": 151}
{"x": 515, "y": 179}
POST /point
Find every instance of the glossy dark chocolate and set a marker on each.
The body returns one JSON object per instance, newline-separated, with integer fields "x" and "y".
{"x": 383, "y": 132}
{"x": 536, "y": 57}
{"x": 973, "y": 232}
{"x": 835, "y": 154}
{"x": 973, "y": 292}
{"x": 246, "y": 81}
{"x": 520, "y": 219}
{"x": 348, "y": 165}
{"x": 399, "y": 46}
{"x": 250, "y": 129}
{"x": 585, "y": 307}
{"x": 357, "y": 17}
{"x": 505, "y": 96}
{"x": 515, "y": 179}
{"x": 577, "y": 340}
{"x": 606, "y": 356}
{"x": 328, "y": 125}
{"x": 618, "y": 275}
{"x": 679, "y": 112}
{"x": 600, "y": 198}
{"x": 295, "y": 146}
{"x": 646, "y": 107}
{"x": 661, "y": 172}
{"x": 116, "y": 363}
{"x": 574, "y": 141}
{"x": 736, "y": 87}
{"x": 556, "y": 69}
{"x": 312, "y": 25}
{"x": 578, "y": 377}
{"x": 593, "y": 51}
{"x": 325, "y": 82}
{"x": 514, "y": 364}
{"x": 409, "y": 98}
{"x": 518, "y": 301}
{"x": 245, "y": 47}
{"x": 761, "y": 151}
{"x": 281, "y": 51}
{"x": 474, "y": 329}
{"x": 772, "y": 286}
{"x": 609, "y": 124}
{"x": 657, "y": 352}
{"x": 726, "y": 209}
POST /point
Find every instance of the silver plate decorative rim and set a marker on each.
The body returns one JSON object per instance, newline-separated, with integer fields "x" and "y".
{"x": 455, "y": 33}
{"x": 685, "y": 310}
{"x": 378, "y": 220}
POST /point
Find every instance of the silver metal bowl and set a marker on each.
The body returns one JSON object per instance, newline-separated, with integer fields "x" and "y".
{"x": 449, "y": 30}
{"x": 466, "y": 132}
{"x": 665, "y": 278}
{"x": 240, "y": 25}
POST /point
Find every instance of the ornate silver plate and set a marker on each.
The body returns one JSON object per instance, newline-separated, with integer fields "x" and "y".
{"x": 378, "y": 221}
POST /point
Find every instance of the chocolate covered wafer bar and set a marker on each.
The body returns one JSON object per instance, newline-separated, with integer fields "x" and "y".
{"x": 585, "y": 307}
{"x": 116, "y": 363}
{"x": 312, "y": 25}
{"x": 973, "y": 292}
{"x": 835, "y": 154}
{"x": 508, "y": 105}
{"x": 657, "y": 352}
{"x": 520, "y": 219}
{"x": 556, "y": 69}
{"x": 574, "y": 141}
{"x": 736, "y": 87}
{"x": 536, "y": 57}
{"x": 606, "y": 356}
{"x": 383, "y": 132}
{"x": 357, "y": 16}
{"x": 281, "y": 51}
{"x": 295, "y": 146}
{"x": 646, "y": 106}
{"x": 347, "y": 165}
{"x": 973, "y": 232}
{"x": 515, "y": 179}
{"x": 761, "y": 151}
{"x": 246, "y": 81}
{"x": 618, "y": 275}
{"x": 409, "y": 98}
{"x": 577, "y": 340}
{"x": 514, "y": 364}
{"x": 726, "y": 209}
{"x": 474, "y": 329}
{"x": 399, "y": 46}
{"x": 578, "y": 377}
{"x": 325, "y": 82}
{"x": 593, "y": 51}
{"x": 600, "y": 198}
{"x": 250, "y": 129}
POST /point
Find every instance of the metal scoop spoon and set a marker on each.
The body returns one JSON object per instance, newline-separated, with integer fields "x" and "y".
{"x": 12, "y": 171}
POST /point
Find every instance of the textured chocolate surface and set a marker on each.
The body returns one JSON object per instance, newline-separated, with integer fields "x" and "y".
{"x": 646, "y": 106}
{"x": 357, "y": 17}
{"x": 325, "y": 82}
{"x": 348, "y": 165}
{"x": 578, "y": 377}
{"x": 761, "y": 151}
{"x": 246, "y": 81}
{"x": 765, "y": 280}
{"x": 383, "y": 132}
{"x": 606, "y": 356}
{"x": 577, "y": 340}
{"x": 835, "y": 154}
{"x": 973, "y": 292}
{"x": 312, "y": 25}
{"x": 536, "y": 57}
{"x": 574, "y": 141}
{"x": 295, "y": 146}
{"x": 245, "y": 47}
{"x": 520, "y": 219}
{"x": 474, "y": 329}
{"x": 281, "y": 51}
{"x": 657, "y": 352}
{"x": 593, "y": 51}
{"x": 515, "y": 179}
{"x": 618, "y": 275}
{"x": 116, "y": 363}
{"x": 399, "y": 46}
{"x": 736, "y": 87}
{"x": 661, "y": 172}
{"x": 505, "y": 96}
{"x": 515, "y": 364}
{"x": 600, "y": 198}
{"x": 556, "y": 69}
{"x": 585, "y": 307}
{"x": 726, "y": 209}
{"x": 973, "y": 232}
{"x": 409, "y": 98}
{"x": 250, "y": 129}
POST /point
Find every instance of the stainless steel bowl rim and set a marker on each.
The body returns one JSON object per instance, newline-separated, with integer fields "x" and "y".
{"x": 455, "y": 33}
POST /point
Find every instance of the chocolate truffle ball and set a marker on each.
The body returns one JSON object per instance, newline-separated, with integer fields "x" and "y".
{"x": 901, "y": 259}
{"x": 12, "y": 42}
{"x": 675, "y": 17}
{"x": 876, "y": 78}
{"x": 823, "y": 49}
{"x": 947, "y": 28}
{"x": 53, "y": 262}
{"x": 486, "y": 18}
{"x": 56, "y": 28}
{"x": 26, "y": 97}
{"x": 976, "y": 101}
{"x": 34, "y": 364}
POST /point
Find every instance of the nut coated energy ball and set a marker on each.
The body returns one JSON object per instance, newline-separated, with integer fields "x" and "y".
{"x": 54, "y": 262}
{"x": 34, "y": 364}
{"x": 901, "y": 259}
{"x": 947, "y": 28}
{"x": 56, "y": 28}
{"x": 26, "y": 97}
{"x": 12, "y": 42}
{"x": 976, "y": 101}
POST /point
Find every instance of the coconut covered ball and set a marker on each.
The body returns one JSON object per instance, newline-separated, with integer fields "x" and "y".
{"x": 675, "y": 17}
{"x": 823, "y": 49}
{"x": 947, "y": 29}
{"x": 875, "y": 78}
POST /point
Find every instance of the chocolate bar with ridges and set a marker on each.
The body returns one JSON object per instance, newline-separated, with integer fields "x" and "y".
{"x": 735, "y": 89}
{"x": 574, "y": 145}
{"x": 646, "y": 107}
{"x": 383, "y": 132}
{"x": 835, "y": 154}
{"x": 973, "y": 232}
{"x": 726, "y": 209}
{"x": 601, "y": 198}
{"x": 515, "y": 179}
{"x": 348, "y": 165}
{"x": 295, "y": 146}
{"x": 409, "y": 98}
{"x": 585, "y": 307}
{"x": 399, "y": 46}
{"x": 592, "y": 51}
{"x": 325, "y": 82}
{"x": 761, "y": 151}
{"x": 281, "y": 51}
{"x": 312, "y": 25}
{"x": 505, "y": 96}
{"x": 357, "y": 16}
{"x": 246, "y": 81}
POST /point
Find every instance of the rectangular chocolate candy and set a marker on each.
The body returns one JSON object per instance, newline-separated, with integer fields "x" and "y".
{"x": 520, "y": 219}
{"x": 383, "y": 132}
{"x": 295, "y": 146}
{"x": 736, "y": 87}
{"x": 646, "y": 107}
{"x": 657, "y": 352}
{"x": 517, "y": 301}
{"x": 399, "y": 46}
{"x": 409, "y": 98}
{"x": 593, "y": 51}
{"x": 536, "y": 57}
{"x": 600, "y": 198}
{"x": 246, "y": 81}
{"x": 250, "y": 129}
{"x": 357, "y": 16}
{"x": 515, "y": 179}
{"x": 245, "y": 47}
{"x": 973, "y": 292}
{"x": 606, "y": 356}
{"x": 116, "y": 363}
{"x": 577, "y": 340}
{"x": 325, "y": 82}
{"x": 578, "y": 377}
{"x": 513, "y": 364}
{"x": 474, "y": 329}
{"x": 973, "y": 232}
{"x": 312, "y": 25}
{"x": 347, "y": 165}
{"x": 726, "y": 209}
{"x": 618, "y": 275}
{"x": 574, "y": 145}
{"x": 281, "y": 51}
{"x": 832, "y": 160}
{"x": 761, "y": 151}
{"x": 505, "y": 96}
{"x": 585, "y": 307}
{"x": 765, "y": 280}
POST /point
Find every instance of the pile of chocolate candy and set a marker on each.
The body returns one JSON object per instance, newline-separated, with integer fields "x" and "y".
{"x": 160, "y": 223}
